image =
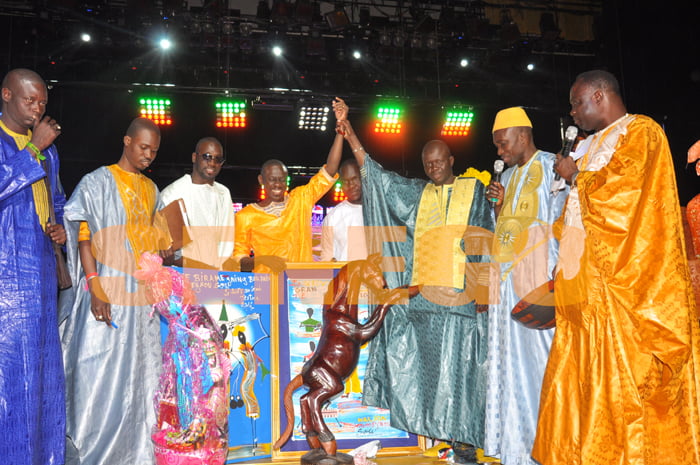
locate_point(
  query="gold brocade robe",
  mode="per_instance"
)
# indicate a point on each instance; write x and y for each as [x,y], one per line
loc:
[621,385]
[287,236]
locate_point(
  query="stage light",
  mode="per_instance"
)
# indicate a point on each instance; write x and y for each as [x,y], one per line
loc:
[85,37]
[338,194]
[165,43]
[156,109]
[388,120]
[458,121]
[432,42]
[357,54]
[313,117]
[231,114]
[464,63]
[277,50]
[530,66]
[262,195]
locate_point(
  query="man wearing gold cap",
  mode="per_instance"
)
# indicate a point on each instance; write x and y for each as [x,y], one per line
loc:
[428,363]
[526,254]
[623,377]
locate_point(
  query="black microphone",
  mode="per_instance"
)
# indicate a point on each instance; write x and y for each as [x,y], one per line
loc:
[498,166]
[569,138]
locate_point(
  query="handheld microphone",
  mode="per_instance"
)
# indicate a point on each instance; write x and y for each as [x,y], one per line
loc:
[498,166]
[569,138]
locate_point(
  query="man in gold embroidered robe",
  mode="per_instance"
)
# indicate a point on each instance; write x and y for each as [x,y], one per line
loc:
[621,385]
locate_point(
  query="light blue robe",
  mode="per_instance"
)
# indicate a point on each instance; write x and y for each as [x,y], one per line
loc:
[428,362]
[517,355]
[111,374]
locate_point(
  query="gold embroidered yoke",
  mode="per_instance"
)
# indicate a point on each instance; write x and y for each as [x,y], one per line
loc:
[441,221]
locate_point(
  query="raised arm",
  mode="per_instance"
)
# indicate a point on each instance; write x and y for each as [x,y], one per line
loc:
[334,155]
[344,127]
[355,145]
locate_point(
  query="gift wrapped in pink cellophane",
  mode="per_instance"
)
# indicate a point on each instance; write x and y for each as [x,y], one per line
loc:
[191,401]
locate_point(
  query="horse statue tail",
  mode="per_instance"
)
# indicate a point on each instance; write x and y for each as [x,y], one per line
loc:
[293,385]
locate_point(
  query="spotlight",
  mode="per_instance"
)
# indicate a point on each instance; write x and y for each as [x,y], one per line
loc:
[226,27]
[208,28]
[246,29]
[384,38]
[530,66]
[416,41]
[464,63]
[399,38]
[356,54]
[277,50]
[338,18]
[85,37]
[432,42]
[165,44]
[313,117]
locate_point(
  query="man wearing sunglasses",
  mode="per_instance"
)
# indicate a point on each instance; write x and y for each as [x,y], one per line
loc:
[208,213]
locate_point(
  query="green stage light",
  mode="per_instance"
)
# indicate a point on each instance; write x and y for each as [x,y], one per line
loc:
[231,114]
[458,121]
[156,109]
[388,120]
[338,194]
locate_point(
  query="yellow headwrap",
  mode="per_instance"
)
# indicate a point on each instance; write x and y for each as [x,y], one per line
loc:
[511,118]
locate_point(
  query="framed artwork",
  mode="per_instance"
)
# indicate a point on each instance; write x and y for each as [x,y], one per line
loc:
[241,304]
[297,328]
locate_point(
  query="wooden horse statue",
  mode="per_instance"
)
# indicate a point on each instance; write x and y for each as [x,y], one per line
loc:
[337,354]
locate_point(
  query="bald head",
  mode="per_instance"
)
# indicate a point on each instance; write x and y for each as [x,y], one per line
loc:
[437,162]
[199,148]
[270,163]
[273,178]
[600,79]
[139,124]
[19,75]
[24,100]
[436,145]
[595,100]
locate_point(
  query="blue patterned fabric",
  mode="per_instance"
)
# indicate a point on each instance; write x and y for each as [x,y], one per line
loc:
[32,407]
[428,363]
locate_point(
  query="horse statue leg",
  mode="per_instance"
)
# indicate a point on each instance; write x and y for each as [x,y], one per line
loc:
[315,399]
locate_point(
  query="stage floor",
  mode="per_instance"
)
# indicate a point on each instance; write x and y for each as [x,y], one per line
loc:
[402,460]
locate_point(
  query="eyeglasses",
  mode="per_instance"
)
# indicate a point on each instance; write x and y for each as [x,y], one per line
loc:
[209,157]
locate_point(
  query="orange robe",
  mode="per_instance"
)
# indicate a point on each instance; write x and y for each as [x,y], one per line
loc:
[621,385]
[288,235]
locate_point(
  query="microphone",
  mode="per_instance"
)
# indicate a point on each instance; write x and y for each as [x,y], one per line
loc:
[569,138]
[497,170]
